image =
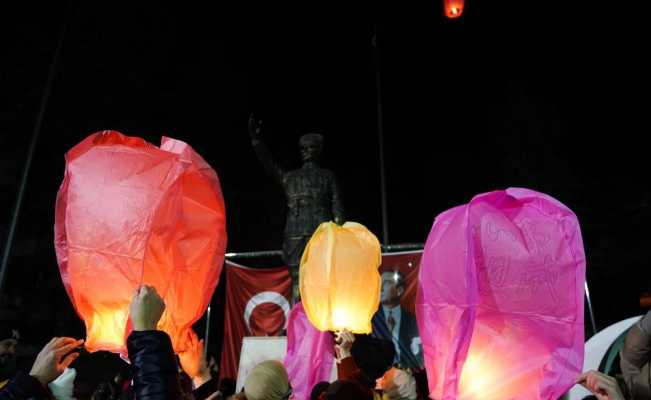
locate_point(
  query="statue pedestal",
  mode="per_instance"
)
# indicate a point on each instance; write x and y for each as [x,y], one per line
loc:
[256,349]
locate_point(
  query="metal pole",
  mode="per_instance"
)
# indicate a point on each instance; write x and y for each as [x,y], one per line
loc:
[207,334]
[402,247]
[254,254]
[273,253]
[30,152]
[380,131]
[587,297]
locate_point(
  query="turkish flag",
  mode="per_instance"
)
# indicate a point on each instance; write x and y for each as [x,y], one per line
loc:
[257,304]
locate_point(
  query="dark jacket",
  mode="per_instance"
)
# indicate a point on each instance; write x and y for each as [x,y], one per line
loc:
[24,386]
[206,390]
[155,371]
[635,359]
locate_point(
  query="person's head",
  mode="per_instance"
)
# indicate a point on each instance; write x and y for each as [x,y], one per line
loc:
[373,357]
[311,145]
[9,337]
[318,389]
[96,374]
[103,391]
[398,384]
[393,287]
[267,381]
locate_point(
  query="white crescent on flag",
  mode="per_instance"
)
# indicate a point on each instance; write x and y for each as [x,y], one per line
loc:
[265,297]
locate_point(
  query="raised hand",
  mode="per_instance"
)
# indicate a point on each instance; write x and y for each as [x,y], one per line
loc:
[255,128]
[604,387]
[54,358]
[146,308]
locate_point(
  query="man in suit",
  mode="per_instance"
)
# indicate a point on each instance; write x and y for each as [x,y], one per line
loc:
[395,323]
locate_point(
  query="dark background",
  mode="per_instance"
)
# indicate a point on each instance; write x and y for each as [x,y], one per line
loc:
[549,95]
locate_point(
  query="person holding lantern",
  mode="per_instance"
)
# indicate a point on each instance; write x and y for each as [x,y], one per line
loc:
[393,322]
[9,337]
[603,387]
[635,359]
[313,195]
[384,383]
[155,371]
[50,363]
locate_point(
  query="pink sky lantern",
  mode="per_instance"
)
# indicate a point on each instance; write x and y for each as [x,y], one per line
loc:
[310,354]
[500,299]
[130,213]
[453,8]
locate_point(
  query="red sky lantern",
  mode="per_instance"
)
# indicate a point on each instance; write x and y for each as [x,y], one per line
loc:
[129,213]
[453,8]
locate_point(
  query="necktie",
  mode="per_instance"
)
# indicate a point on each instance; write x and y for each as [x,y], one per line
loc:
[391,323]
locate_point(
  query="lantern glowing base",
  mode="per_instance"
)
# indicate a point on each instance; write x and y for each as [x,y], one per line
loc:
[483,377]
[105,330]
[502,363]
[344,319]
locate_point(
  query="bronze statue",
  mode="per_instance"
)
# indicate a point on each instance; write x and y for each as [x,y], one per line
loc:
[312,195]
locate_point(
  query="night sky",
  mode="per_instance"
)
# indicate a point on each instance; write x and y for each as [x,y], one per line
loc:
[547,95]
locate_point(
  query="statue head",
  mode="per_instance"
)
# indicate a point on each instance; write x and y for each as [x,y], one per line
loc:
[311,145]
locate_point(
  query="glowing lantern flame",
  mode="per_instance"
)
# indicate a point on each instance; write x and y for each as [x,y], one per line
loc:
[105,327]
[494,368]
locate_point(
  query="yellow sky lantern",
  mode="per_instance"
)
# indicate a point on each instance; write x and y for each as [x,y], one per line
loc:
[339,278]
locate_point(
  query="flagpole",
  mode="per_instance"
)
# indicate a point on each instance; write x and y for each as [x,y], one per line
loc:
[380,131]
[36,131]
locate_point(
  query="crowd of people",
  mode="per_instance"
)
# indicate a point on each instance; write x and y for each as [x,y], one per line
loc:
[366,367]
